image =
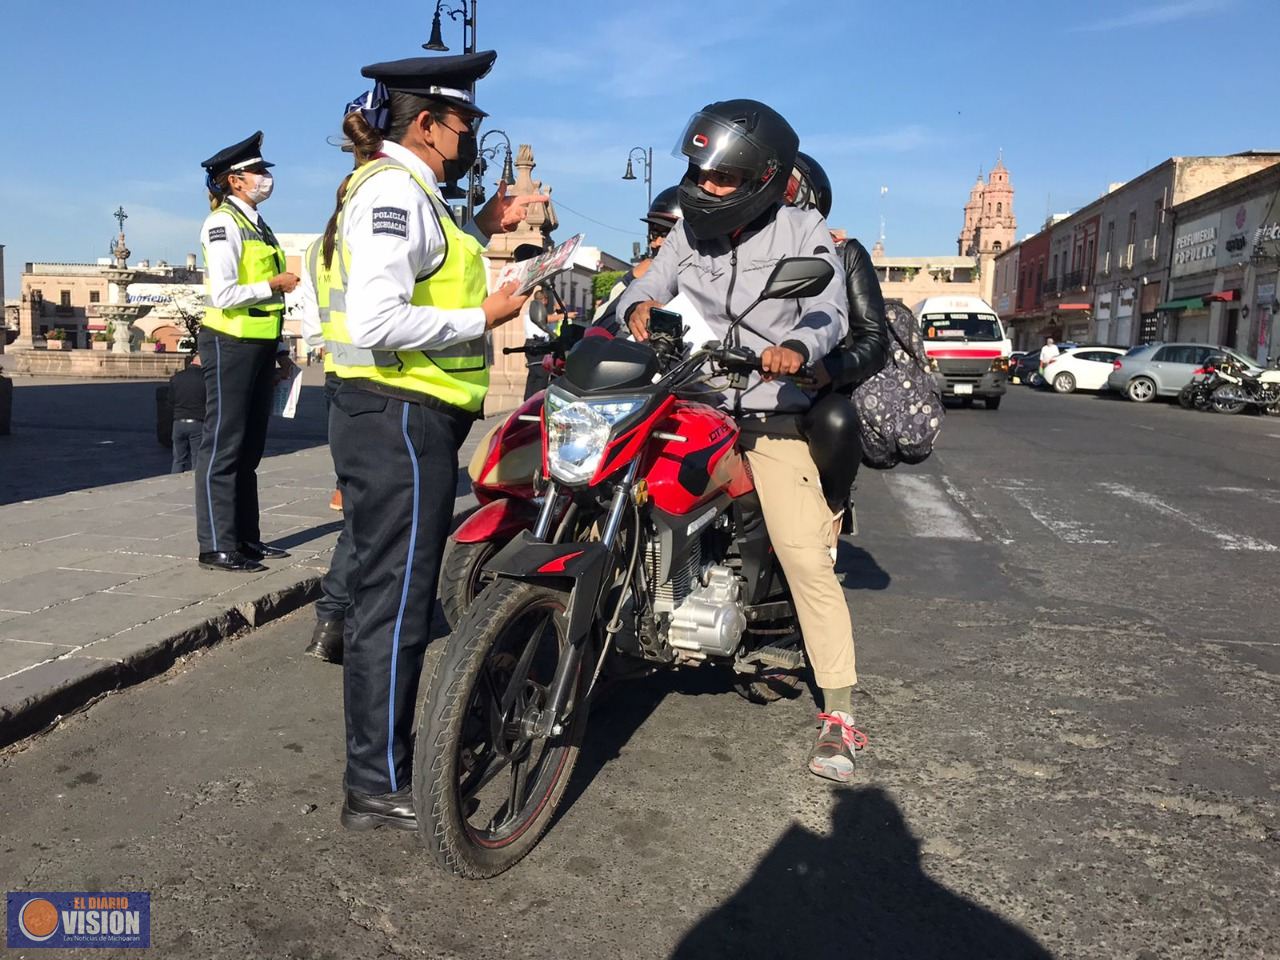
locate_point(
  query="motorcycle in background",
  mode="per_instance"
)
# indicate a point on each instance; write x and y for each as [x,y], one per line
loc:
[1240,389]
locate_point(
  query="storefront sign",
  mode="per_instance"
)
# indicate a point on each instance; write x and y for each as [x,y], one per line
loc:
[1195,245]
[1103,309]
[1266,293]
[1125,308]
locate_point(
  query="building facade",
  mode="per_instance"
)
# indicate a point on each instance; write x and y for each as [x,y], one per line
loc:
[989,223]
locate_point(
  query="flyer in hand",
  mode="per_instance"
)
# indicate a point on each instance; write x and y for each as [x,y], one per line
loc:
[529,273]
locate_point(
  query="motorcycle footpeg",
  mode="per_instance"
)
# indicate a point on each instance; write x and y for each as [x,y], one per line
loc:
[779,657]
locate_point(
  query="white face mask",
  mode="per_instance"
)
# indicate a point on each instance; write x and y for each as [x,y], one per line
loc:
[261,188]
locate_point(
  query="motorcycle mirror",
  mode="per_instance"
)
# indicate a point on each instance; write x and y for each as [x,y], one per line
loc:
[526,251]
[538,313]
[798,277]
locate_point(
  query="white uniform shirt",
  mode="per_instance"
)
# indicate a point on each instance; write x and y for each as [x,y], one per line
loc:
[222,245]
[305,300]
[1048,353]
[393,232]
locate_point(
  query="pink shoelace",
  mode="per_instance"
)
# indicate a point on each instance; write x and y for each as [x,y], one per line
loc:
[853,738]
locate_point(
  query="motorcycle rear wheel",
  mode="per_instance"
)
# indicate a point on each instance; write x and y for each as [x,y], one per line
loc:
[1187,397]
[1220,404]
[484,792]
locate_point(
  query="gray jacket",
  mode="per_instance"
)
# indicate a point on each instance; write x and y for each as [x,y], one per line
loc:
[722,278]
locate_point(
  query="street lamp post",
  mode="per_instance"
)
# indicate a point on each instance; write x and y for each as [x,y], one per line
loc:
[436,44]
[645,157]
[508,174]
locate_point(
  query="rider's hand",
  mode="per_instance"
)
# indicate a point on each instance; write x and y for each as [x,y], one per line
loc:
[780,362]
[638,320]
[283,282]
[502,305]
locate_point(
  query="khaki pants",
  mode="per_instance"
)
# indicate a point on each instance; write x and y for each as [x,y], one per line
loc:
[802,531]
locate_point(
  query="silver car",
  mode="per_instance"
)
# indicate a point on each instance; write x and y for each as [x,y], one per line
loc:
[1163,369]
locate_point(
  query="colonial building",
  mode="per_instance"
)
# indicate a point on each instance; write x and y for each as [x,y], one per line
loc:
[989,224]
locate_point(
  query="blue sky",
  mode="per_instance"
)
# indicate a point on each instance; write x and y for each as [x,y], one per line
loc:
[105,108]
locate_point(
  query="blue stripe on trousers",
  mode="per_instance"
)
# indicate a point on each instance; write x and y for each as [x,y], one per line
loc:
[208,473]
[404,598]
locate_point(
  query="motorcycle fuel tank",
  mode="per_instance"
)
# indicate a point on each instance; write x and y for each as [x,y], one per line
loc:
[686,475]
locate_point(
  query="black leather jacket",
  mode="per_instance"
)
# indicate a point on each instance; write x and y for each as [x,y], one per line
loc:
[866,347]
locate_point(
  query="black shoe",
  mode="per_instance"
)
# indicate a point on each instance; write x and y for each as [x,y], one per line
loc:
[232,561]
[326,641]
[364,811]
[258,550]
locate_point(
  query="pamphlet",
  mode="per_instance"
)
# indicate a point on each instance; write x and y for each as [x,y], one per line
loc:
[529,273]
[284,403]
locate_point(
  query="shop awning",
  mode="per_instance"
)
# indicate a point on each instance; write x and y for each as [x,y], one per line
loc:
[1186,303]
[1074,306]
[1222,296]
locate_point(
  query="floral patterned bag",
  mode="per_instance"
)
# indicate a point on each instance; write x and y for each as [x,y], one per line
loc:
[900,409]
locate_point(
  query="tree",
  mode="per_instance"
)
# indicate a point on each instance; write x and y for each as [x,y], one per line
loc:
[187,303]
[602,283]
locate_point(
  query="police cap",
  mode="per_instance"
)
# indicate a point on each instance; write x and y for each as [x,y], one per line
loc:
[239,156]
[447,79]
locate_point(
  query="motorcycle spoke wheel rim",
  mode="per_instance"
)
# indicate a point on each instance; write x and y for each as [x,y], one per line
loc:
[505,778]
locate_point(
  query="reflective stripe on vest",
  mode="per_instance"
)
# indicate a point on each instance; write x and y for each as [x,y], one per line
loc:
[328,299]
[260,259]
[458,375]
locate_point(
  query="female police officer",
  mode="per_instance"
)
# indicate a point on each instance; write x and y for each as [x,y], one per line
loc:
[408,305]
[240,349]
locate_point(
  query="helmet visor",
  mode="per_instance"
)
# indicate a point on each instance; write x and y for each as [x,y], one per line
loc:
[709,143]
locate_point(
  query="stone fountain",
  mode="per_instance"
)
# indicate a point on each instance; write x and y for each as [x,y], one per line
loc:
[119,311]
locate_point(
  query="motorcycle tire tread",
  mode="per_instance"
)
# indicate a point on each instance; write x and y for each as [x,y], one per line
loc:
[455,574]
[446,692]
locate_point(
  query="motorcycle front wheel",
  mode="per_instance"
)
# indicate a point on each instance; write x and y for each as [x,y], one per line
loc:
[484,790]
[462,576]
[1187,397]
[1225,403]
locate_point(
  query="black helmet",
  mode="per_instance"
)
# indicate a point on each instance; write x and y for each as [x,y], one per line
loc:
[743,137]
[665,210]
[809,187]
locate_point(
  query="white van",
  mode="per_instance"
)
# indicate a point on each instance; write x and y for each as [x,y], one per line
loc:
[965,339]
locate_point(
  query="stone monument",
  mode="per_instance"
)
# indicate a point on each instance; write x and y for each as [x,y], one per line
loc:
[119,311]
[507,373]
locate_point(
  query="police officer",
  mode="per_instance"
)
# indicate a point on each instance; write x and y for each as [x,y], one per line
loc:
[242,355]
[408,299]
[317,330]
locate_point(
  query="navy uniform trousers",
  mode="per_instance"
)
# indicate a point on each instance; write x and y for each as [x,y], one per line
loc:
[397,464]
[239,381]
[335,593]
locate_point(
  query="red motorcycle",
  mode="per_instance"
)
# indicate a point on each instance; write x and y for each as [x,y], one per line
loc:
[648,549]
[504,471]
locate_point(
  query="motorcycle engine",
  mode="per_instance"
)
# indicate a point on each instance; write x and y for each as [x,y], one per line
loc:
[710,620]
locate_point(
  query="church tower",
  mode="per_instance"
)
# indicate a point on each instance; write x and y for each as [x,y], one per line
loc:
[997,226]
[966,244]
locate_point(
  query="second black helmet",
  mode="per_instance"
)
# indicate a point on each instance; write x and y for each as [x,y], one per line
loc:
[809,187]
[742,138]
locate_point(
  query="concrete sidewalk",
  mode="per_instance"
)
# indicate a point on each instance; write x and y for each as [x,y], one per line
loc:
[99,588]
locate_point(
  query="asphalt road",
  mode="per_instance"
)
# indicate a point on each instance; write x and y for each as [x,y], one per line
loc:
[1070,678]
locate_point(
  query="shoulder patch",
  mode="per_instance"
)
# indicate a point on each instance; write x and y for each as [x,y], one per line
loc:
[217,233]
[391,222]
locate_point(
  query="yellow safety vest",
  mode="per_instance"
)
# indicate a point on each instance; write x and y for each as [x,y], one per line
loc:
[457,375]
[260,259]
[323,286]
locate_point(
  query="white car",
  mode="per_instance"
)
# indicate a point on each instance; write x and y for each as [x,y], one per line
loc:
[1082,368]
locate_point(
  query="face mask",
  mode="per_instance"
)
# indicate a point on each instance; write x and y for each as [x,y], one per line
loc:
[261,188]
[456,168]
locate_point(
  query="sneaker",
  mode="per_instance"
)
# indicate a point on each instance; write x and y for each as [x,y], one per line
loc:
[335,502]
[832,755]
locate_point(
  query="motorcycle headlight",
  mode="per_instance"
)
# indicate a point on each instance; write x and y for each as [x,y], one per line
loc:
[578,432]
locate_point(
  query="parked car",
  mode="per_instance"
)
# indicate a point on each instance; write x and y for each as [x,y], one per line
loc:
[1020,371]
[1081,368]
[1163,369]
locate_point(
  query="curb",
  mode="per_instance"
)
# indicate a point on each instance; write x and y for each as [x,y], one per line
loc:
[63,687]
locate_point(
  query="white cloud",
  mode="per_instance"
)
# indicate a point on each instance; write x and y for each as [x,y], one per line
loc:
[1151,16]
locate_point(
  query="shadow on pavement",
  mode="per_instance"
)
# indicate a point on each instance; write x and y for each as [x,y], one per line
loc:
[860,892]
[859,569]
[73,435]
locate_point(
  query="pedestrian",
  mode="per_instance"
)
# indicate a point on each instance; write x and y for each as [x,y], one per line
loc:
[741,154]
[1048,353]
[664,213]
[538,330]
[408,292]
[317,330]
[187,397]
[242,353]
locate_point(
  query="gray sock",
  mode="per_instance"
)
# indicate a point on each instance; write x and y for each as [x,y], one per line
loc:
[838,699]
